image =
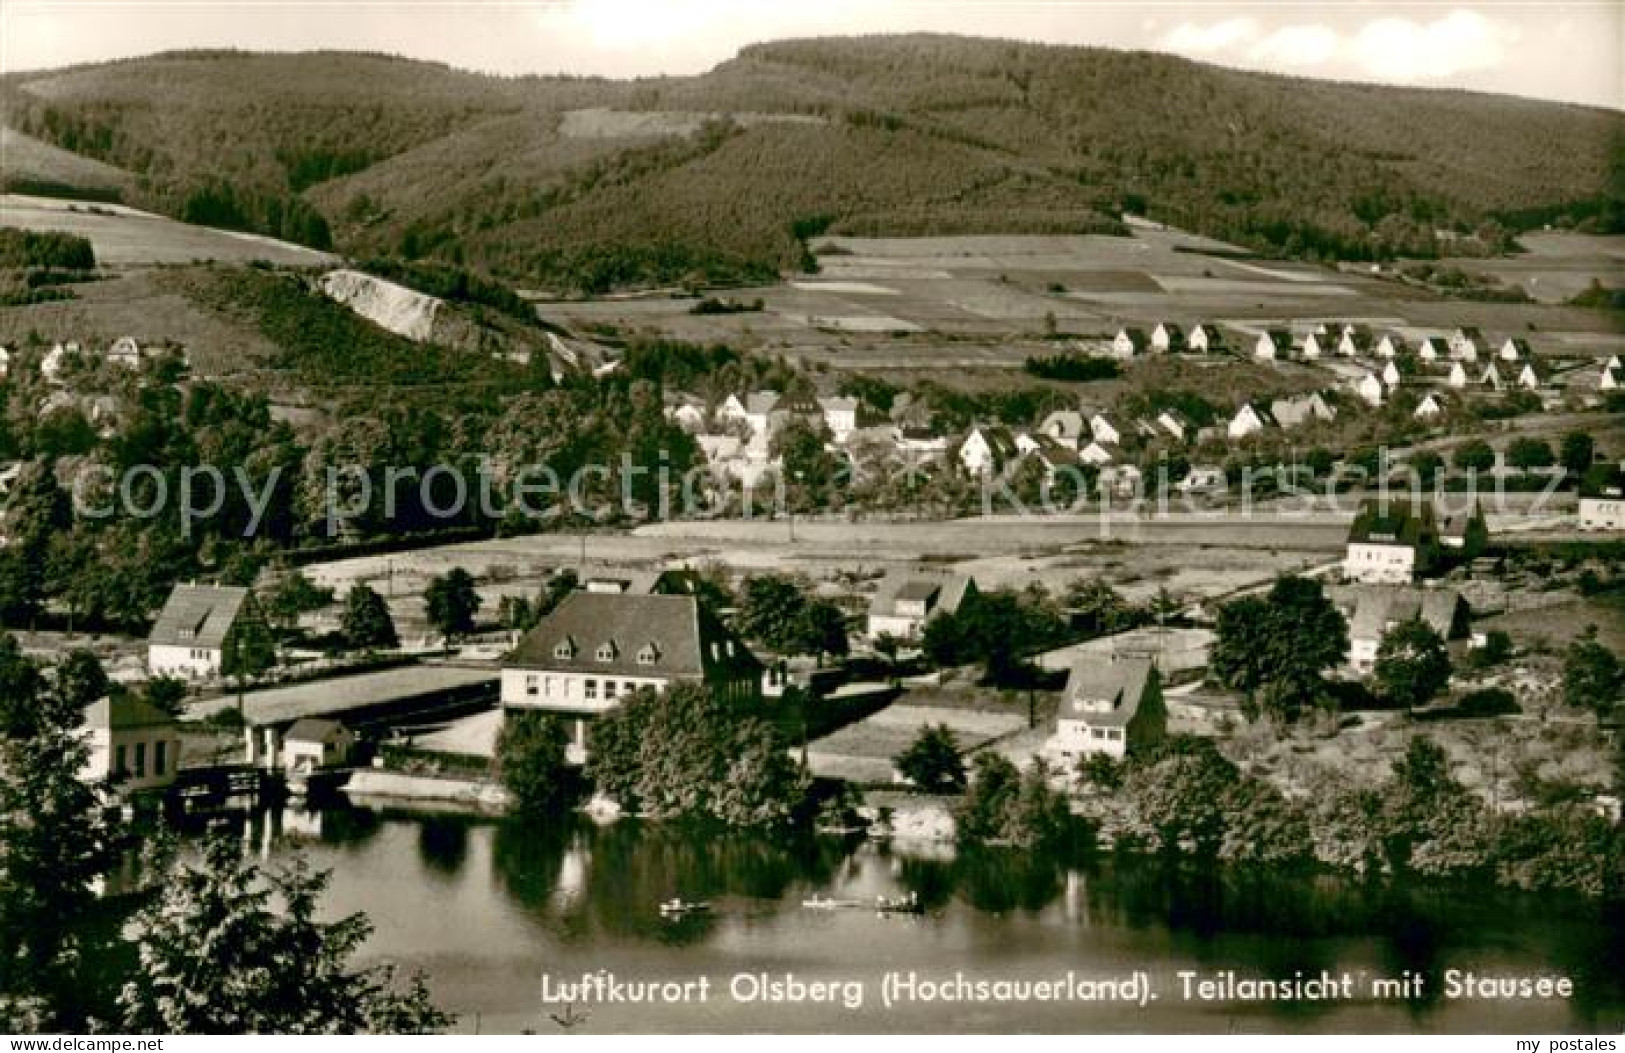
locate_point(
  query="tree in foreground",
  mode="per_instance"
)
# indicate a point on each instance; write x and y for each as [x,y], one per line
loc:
[452,601]
[366,623]
[1592,675]
[230,948]
[54,843]
[932,761]
[1275,648]
[530,758]
[1412,663]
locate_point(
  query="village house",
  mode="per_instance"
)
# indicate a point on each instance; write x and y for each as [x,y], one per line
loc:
[1204,339]
[1167,337]
[132,743]
[1370,389]
[1129,342]
[1203,480]
[1391,375]
[1465,343]
[906,601]
[1391,545]
[1273,344]
[1096,455]
[1066,427]
[188,637]
[987,450]
[1319,345]
[312,744]
[921,443]
[1297,410]
[1516,349]
[1122,480]
[1430,406]
[1609,380]
[125,352]
[753,410]
[1392,345]
[56,360]
[1247,421]
[1356,340]
[1527,378]
[1491,378]
[1433,349]
[1602,498]
[1104,431]
[596,649]
[1373,610]
[1111,706]
[1176,424]
[840,415]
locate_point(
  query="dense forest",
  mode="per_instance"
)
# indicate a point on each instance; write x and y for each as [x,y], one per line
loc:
[586,185]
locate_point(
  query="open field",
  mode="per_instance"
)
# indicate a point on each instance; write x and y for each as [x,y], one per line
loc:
[863,751]
[983,303]
[125,236]
[26,159]
[1557,266]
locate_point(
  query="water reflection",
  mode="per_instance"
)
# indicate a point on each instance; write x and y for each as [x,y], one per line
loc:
[516,898]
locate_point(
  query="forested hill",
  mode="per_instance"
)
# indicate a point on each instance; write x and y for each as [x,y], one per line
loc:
[591,184]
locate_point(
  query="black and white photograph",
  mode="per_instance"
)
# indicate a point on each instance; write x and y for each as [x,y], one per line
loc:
[621,517]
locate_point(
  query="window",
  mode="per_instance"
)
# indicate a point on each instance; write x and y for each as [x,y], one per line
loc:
[592,689]
[140,760]
[609,688]
[159,757]
[648,654]
[530,684]
[565,649]
[118,761]
[607,651]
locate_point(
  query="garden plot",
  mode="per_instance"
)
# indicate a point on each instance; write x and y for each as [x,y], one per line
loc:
[863,751]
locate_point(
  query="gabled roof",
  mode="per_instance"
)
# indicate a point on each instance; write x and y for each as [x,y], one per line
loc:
[1402,523]
[1119,680]
[999,439]
[688,640]
[1373,608]
[125,711]
[950,591]
[1297,409]
[197,616]
[1134,333]
[838,404]
[761,402]
[315,729]
[1070,423]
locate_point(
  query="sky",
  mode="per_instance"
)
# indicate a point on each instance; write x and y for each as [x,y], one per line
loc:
[1557,50]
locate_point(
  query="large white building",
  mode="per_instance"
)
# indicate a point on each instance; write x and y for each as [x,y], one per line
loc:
[596,649]
[1602,498]
[1391,545]
[188,637]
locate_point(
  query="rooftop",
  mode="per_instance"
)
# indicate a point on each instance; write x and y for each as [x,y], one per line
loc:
[197,616]
[633,635]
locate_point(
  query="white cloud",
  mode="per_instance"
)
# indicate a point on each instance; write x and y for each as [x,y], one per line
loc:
[1459,42]
[1297,46]
[1188,38]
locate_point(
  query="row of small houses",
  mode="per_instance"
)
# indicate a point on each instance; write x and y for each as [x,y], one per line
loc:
[1322,340]
[125,352]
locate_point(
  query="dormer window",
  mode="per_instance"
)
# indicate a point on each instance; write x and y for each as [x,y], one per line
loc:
[648,654]
[565,649]
[607,651]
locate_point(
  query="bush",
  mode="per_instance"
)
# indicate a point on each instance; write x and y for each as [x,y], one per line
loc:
[530,761]
[932,761]
[1487,702]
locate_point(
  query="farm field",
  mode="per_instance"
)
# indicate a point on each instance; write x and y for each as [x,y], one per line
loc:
[128,237]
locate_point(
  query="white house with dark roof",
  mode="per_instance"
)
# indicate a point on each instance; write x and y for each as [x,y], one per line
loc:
[1433,348]
[1204,338]
[1491,378]
[1458,376]
[1371,389]
[840,414]
[1320,345]
[1466,342]
[1391,376]
[1273,344]
[125,352]
[1104,431]
[1392,345]
[1528,378]
[987,450]
[187,638]
[754,410]
[1516,349]
[1167,337]
[1129,342]
[906,601]
[1355,340]
[1429,406]
[1391,542]
[595,649]
[131,742]
[1112,706]
[1610,379]
[1176,424]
